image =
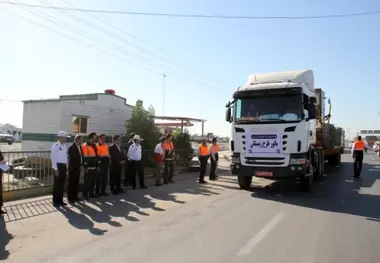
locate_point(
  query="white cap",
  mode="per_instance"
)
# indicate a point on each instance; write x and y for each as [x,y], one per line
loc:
[62,134]
[137,137]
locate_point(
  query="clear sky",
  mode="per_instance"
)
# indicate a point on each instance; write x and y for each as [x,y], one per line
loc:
[209,58]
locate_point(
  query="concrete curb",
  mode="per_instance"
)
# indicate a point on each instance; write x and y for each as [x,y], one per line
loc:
[47,190]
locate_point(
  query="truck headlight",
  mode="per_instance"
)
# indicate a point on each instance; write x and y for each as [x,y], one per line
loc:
[235,158]
[298,161]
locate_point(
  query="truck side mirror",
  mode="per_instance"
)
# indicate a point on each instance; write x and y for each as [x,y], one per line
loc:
[306,114]
[228,114]
[312,111]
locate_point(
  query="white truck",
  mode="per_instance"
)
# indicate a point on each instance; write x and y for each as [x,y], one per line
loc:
[274,119]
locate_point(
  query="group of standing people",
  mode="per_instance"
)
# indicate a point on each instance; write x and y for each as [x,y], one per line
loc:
[206,152]
[102,163]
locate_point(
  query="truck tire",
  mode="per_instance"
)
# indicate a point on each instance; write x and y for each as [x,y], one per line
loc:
[320,166]
[10,143]
[245,182]
[307,181]
[338,159]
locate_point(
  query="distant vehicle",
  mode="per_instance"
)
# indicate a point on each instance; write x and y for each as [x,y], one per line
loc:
[5,137]
[371,136]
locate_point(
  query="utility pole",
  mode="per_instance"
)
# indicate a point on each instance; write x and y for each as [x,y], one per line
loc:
[163,93]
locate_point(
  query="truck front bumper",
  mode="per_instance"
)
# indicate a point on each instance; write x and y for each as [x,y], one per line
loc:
[276,173]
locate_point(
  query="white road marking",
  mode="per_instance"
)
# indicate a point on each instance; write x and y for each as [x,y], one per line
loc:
[252,243]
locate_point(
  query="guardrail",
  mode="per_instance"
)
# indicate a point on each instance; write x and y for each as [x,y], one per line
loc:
[32,169]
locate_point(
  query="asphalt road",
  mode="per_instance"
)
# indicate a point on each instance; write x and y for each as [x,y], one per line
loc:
[217,223]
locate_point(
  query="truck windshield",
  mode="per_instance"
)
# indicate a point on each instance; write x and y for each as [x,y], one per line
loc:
[264,109]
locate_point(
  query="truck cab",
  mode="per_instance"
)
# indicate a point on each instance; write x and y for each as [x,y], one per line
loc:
[273,127]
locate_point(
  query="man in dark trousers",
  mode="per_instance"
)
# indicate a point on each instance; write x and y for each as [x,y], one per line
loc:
[135,157]
[104,161]
[203,156]
[127,167]
[118,160]
[2,161]
[214,157]
[357,152]
[75,164]
[91,166]
[59,164]
[169,160]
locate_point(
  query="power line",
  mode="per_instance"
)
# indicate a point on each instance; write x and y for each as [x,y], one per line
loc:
[78,41]
[117,37]
[110,46]
[169,56]
[376,12]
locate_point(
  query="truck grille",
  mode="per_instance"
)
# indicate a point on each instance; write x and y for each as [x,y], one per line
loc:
[270,161]
[265,160]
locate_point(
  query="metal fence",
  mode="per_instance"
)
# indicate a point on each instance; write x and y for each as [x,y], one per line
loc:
[32,169]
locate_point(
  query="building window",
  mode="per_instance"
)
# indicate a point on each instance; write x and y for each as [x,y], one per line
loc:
[80,124]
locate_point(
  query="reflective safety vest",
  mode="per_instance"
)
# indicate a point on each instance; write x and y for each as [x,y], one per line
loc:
[214,148]
[88,151]
[359,146]
[89,156]
[203,150]
[168,146]
[102,150]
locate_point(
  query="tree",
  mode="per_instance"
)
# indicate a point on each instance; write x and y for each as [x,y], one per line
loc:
[142,123]
[182,144]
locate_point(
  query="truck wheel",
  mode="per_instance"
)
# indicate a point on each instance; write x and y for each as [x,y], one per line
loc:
[338,159]
[10,143]
[306,181]
[319,171]
[244,182]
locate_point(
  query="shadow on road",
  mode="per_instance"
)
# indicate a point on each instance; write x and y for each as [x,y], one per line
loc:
[80,221]
[5,237]
[129,206]
[339,193]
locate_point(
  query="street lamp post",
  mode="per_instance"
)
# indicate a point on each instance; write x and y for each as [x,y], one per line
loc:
[163,93]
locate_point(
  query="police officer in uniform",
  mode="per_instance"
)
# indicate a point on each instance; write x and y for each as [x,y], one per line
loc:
[135,156]
[357,152]
[128,166]
[59,165]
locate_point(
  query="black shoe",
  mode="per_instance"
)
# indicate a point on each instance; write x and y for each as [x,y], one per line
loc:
[56,204]
[2,212]
[92,196]
[171,181]
[86,198]
[159,184]
[63,204]
[203,182]
[105,194]
[71,202]
[212,178]
[143,187]
[166,183]
[78,199]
